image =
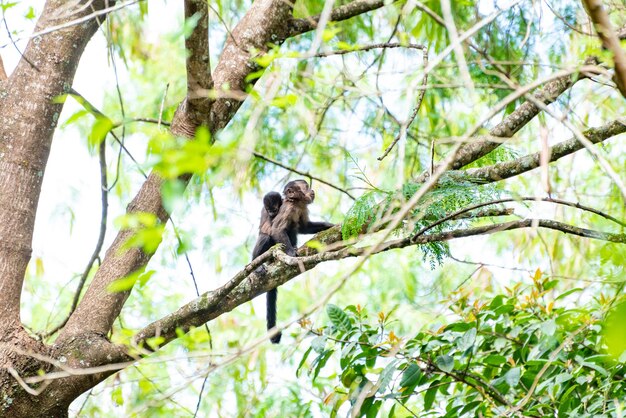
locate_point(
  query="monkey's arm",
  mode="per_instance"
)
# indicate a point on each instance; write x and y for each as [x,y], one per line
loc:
[315,227]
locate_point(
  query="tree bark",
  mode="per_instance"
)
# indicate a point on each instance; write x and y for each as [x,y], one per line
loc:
[28,118]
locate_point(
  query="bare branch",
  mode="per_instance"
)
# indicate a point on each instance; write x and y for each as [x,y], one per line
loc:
[610,40]
[384,45]
[521,165]
[302,173]
[347,11]
[468,211]
[75,22]
[482,146]
[104,199]
[415,109]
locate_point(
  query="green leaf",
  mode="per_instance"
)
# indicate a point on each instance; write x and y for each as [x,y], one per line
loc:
[303,360]
[614,330]
[466,340]
[410,376]
[494,359]
[76,116]
[30,15]
[512,377]
[549,327]
[445,363]
[339,318]
[386,375]
[7,6]
[319,344]
[430,395]
[101,127]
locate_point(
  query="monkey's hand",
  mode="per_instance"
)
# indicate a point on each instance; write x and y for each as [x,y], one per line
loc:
[261,271]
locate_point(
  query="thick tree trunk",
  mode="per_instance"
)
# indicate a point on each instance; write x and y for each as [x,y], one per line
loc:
[28,118]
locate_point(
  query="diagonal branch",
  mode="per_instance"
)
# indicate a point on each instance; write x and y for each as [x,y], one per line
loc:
[211,305]
[507,169]
[482,146]
[610,40]
[3,74]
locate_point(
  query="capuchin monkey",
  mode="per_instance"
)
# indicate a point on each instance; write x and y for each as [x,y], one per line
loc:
[271,204]
[292,219]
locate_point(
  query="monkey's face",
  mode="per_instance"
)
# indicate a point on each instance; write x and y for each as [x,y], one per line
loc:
[299,190]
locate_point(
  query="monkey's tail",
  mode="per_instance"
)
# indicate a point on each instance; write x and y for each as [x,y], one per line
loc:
[272,295]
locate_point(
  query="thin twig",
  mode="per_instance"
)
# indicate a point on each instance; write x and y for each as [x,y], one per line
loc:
[415,109]
[457,214]
[302,173]
[75,21]
[104,198]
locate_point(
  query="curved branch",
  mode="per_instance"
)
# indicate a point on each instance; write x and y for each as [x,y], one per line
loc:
[463,213]
[195,109]
[482,146]
[104,198]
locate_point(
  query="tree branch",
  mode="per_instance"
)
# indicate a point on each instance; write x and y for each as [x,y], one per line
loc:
[507,169]
[99,307]
[482,146]
[347,11]
[610,40]
[36,80]
[194,110]
[3,74]
[245,286]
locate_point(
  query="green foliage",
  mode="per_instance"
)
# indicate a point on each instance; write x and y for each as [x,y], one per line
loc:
[526,350]
[455,190]
[615,330]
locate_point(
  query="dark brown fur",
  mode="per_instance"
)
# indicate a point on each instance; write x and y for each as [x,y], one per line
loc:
[292,219]
[272,202]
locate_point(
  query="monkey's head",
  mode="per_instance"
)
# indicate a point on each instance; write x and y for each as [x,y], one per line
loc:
[299,191]
[272,202]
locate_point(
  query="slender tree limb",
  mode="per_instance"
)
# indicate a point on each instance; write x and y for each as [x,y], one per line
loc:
[610,40]
[482,146]
[385,45]
[507,169]
[344,12]
[467,211]
[302,173]
[75,22]
[264,23]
